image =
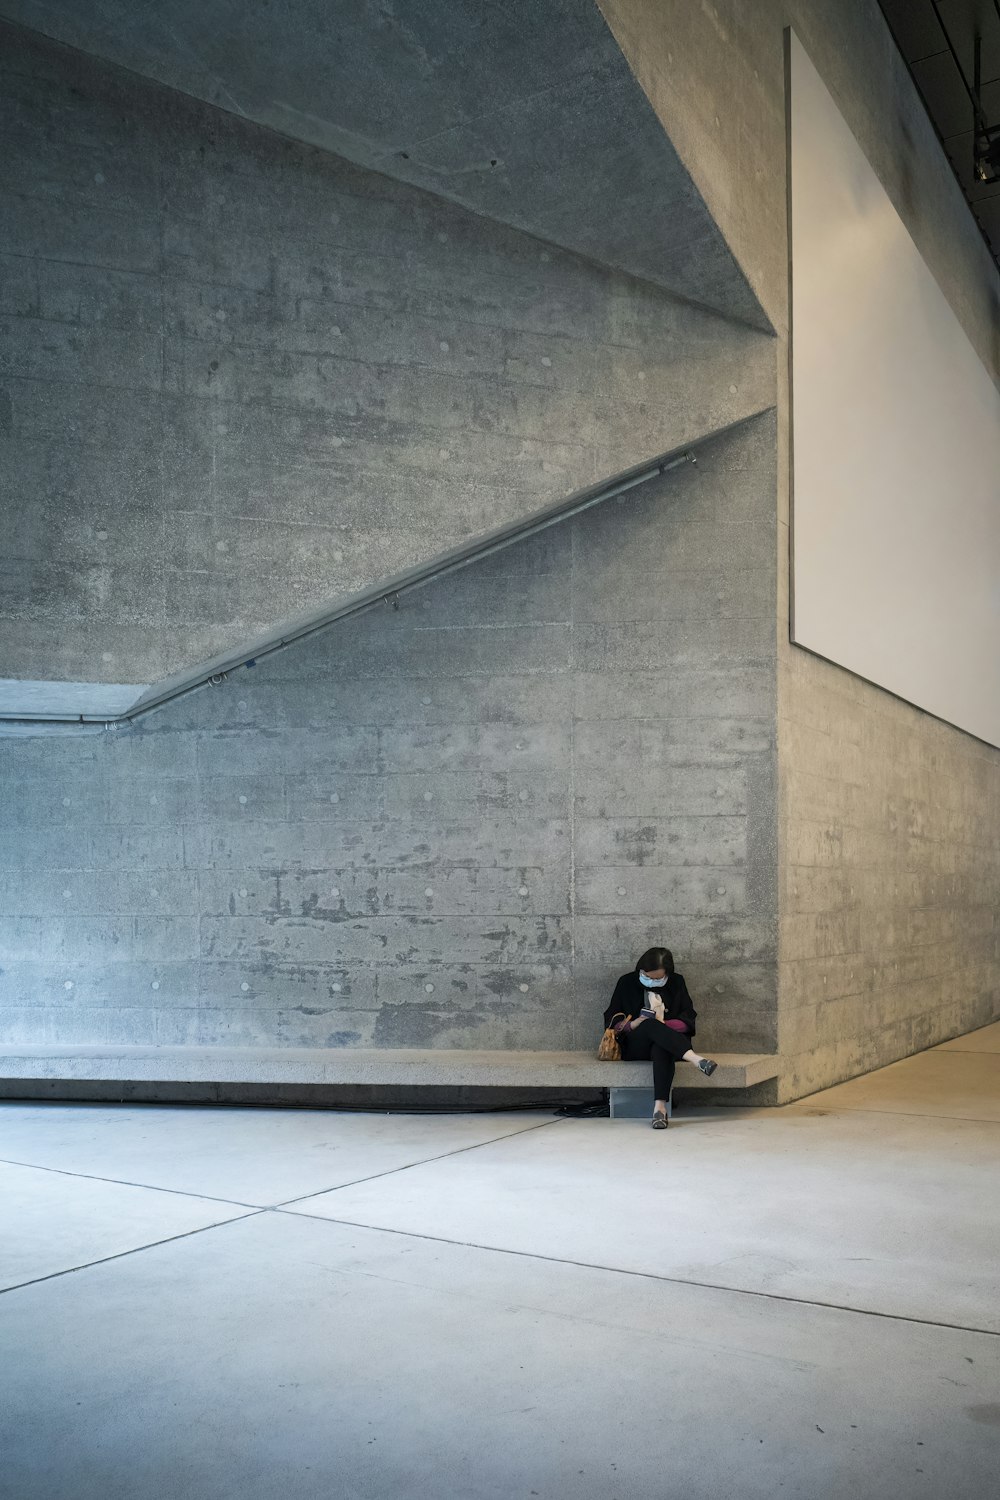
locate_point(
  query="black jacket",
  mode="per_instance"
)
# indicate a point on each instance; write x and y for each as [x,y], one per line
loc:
[630,996]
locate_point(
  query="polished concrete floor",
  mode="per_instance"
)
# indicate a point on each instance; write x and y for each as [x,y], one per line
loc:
[202,1303]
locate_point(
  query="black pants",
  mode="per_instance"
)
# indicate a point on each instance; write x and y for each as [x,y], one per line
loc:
[651,1041]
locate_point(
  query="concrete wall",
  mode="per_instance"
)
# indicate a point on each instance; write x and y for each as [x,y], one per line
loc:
[888,819]
[448,825]
[240,378]
[525,112]
[890,867]
[715,76]
[890,919]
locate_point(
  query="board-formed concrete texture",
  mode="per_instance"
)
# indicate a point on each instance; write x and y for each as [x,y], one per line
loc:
[526,113]
[244,379]
[890,880]
[889,937]
[715,75]
[881,934]
[451,824]
[448,1310]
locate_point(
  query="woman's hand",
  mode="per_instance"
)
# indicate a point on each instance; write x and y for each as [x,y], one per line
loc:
[621,1026]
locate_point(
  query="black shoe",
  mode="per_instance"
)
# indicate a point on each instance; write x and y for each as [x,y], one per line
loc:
[659,1120]
[707,1066]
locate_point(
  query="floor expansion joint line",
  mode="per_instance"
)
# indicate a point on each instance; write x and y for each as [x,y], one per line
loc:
[410,1165]
[590,1265]
[150,1187]
[965,1051]
[103,1260]
[902,1114]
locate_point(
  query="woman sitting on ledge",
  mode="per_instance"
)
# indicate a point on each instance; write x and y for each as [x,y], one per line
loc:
[658,1023]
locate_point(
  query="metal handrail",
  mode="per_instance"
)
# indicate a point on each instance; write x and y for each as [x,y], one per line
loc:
[389,592]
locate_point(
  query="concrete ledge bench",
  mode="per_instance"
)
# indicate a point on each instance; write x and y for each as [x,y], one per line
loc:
[630,1084]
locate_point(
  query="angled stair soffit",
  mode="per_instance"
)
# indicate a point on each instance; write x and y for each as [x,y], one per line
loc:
[587,167]
[525,112]
[142,699]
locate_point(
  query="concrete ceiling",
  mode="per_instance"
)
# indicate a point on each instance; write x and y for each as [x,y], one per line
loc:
[938,42]
[526,112]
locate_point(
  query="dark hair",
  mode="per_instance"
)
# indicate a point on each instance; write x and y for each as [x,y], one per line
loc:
[656,958]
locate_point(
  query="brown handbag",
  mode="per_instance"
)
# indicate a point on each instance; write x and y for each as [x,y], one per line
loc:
[610,1048]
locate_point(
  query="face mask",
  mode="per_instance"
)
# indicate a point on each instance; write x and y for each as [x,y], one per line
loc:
[652,984]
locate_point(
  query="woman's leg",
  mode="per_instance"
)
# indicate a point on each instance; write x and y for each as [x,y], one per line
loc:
[637,1045]
[676,1043]
[663,1077]
[641,1045]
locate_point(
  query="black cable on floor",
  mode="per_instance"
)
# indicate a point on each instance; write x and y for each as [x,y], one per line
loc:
[594,1109]
[582,1109]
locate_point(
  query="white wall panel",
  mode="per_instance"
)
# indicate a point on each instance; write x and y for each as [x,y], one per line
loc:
[896,441]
